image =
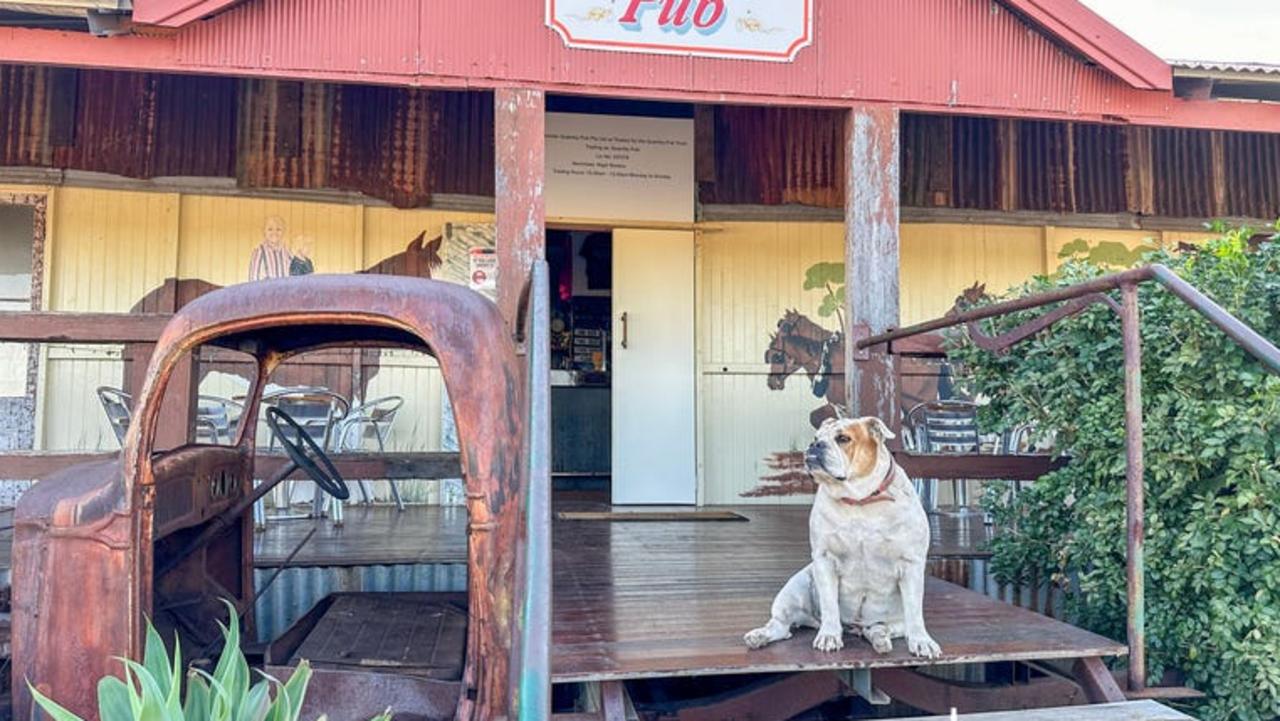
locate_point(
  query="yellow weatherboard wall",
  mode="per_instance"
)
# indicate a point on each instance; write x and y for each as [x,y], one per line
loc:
[107,248]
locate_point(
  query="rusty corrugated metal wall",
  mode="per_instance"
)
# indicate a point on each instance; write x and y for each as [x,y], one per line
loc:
[775,156]
[770,156]
[397,144]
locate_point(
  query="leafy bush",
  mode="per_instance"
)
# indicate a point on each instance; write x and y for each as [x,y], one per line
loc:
[1212,418]
[152,690]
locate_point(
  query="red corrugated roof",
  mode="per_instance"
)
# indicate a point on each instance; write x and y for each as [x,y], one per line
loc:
[1089,34]
[176,13]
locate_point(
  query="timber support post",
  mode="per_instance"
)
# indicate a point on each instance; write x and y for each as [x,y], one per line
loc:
[872,160]
[520,206]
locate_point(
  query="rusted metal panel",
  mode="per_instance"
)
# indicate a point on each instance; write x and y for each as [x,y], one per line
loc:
[380,143]
[871,257]
[1099,165]
[1252,164]
[1183,170]
[23,115]
[776,156]
[976,159]
[462,143]
[1044,155]
[266,162]
[115,119]
[195,129]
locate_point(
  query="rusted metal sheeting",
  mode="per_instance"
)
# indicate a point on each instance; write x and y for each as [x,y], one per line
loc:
[976,157]
[1252,164]
[1099,168]
[133,124]
[380,143]
[1183,172]
[462,143]
[114,120]
[928,174]
[284,134]
[1044,164]
[23,117]
[777,156]
[195,129]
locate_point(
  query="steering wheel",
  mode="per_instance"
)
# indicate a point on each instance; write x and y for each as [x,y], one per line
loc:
[307,454]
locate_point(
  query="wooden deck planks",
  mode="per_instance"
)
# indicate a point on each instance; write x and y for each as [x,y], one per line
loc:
[1128,711]
[652,600]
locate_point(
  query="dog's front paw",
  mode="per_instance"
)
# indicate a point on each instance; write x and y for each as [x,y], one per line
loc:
[759,638]
[829,641]
[923,645]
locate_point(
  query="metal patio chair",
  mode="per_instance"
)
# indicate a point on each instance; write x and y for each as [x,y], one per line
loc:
[217,420]
[942,427]
[369,421]
[318,411]
[116,404]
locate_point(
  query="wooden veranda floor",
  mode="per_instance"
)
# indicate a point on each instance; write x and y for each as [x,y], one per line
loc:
[646,600]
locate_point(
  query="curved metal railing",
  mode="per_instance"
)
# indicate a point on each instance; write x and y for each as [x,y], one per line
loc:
[1076,298]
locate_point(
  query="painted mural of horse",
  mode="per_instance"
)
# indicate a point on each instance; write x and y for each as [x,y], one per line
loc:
[420,259]
[801,344]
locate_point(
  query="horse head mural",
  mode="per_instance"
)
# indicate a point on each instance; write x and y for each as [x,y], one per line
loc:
[801,344]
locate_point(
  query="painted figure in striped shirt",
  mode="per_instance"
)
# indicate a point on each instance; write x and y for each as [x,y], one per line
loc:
[273,259]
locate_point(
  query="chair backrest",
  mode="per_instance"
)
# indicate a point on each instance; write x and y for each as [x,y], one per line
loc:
[945,427]
[216,419]
[376,415]
[116,404]
[315,409]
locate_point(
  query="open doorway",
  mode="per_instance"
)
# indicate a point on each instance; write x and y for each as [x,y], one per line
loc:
[18,361]
[581,265]
[623,366]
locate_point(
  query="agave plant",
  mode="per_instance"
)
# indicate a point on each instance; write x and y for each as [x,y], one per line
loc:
[152,690]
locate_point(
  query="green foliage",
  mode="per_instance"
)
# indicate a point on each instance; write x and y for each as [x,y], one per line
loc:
[152,690]
[827,277]
[1212,427]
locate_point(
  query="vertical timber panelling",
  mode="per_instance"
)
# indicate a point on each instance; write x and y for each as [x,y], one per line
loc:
[750,275]
[871,255]
[940,260]
[108,249]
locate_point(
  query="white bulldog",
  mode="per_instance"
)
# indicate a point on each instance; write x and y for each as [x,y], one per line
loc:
[869,539]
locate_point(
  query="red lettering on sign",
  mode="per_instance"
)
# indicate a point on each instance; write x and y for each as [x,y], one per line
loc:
[629,18]
[710,12]
[675,13]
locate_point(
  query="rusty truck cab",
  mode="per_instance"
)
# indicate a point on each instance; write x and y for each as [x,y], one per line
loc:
[168,534]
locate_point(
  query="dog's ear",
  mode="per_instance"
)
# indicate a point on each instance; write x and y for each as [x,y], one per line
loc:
[880,430]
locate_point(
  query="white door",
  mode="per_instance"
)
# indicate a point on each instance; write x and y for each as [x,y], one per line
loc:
[653,368]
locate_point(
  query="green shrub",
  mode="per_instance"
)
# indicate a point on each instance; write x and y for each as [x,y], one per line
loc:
[152,690]
[1212,426]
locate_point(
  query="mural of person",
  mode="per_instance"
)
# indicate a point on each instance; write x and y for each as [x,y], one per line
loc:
[301,263]
[272,258]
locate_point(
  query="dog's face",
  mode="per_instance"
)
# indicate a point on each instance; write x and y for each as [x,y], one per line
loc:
[845,448]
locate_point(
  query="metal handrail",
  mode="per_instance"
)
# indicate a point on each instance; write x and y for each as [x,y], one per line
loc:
[1127,283]
[532,682]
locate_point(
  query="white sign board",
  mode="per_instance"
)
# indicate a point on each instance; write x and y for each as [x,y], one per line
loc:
[484,269]
[739,29]
[614,167]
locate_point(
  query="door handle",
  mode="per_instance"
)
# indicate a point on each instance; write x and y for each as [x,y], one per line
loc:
[624,330]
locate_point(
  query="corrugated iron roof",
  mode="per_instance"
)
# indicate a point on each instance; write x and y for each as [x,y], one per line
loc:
[1226,67]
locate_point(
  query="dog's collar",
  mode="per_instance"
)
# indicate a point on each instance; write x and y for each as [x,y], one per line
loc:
[879,495]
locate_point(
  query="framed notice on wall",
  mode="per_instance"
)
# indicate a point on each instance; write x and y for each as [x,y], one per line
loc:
[612,167]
